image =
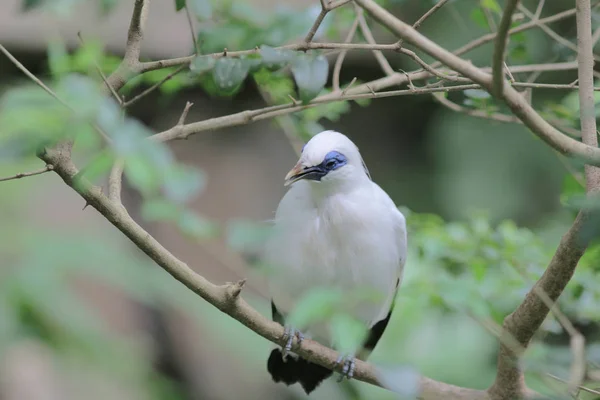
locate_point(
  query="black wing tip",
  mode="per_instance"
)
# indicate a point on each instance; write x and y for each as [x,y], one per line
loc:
[296,370]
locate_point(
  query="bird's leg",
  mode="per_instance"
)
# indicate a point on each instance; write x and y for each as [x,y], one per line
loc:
[348,368]
[288,338]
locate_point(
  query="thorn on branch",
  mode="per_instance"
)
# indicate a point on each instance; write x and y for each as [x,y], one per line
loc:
[410,84]
[234,289]
[510,75]
[296,102]
[185,112]
[370,88]
[349,86]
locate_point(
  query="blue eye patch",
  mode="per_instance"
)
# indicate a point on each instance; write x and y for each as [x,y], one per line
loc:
[333,160]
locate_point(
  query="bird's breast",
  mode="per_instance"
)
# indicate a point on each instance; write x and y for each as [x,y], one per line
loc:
[337,245]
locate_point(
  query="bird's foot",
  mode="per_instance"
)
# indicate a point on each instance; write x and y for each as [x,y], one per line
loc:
[348,366]
[288,338]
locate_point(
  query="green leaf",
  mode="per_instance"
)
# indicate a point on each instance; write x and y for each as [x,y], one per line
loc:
[403,381]
[142,174]
[27,5]
[58,58]
[179,5]
[310,74]
[99,167]
[196,226]
[202,9]
[477,94]
[347,333]
[246,235]
[182,183]
[82,94]
[160,210]
[201,64]
[316,305]
[478,17]
[491,5]
[253,62]
[229,73]
[107,5]
[276,58]
[277,85]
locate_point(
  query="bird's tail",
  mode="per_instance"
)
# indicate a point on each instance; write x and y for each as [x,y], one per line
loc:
[295,369]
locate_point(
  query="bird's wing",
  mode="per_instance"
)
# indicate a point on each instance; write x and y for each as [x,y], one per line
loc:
[380,323]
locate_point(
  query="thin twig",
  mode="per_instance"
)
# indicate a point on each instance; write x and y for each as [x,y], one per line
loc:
[510,75]
[433,71]
[337,68]
[586,83]
[585,389]
[349,86]
[550,86]
[511,97]
[500,47]
[31,76]
[41,84]
[248,116]
[428,14]
[547,30]
[153,87]
[577,340]
[490,19]
[20,175]
[538,10]
[153,65]
[364,27]
[104,79]
[475,113]
[192,30]
[521,28]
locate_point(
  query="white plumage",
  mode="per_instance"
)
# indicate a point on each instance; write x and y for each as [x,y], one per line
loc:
[335,228]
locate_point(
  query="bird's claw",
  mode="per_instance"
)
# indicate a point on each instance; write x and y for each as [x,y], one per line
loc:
[288,339]
[348,366]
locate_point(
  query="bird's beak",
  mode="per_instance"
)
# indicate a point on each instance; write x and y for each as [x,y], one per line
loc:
[302,172]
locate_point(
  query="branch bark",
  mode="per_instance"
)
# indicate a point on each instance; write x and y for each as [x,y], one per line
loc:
[585,70]
[500,48]
[20,175]
[519,105]
[227,297]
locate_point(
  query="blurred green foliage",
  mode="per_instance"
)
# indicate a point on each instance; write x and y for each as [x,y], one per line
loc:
[460,274]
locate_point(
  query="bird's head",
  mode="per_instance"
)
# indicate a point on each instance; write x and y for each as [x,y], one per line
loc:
[329,158]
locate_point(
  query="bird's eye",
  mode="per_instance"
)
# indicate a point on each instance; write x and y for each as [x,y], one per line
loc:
[331,164]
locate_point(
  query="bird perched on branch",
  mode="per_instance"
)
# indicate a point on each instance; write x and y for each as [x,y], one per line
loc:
[335,229]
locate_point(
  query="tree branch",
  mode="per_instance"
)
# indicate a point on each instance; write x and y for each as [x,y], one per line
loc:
[227,297]
[587,112]
[20,175]
[248,116]
[428,14]
[528,317]
[131,66]
[519,106]
[364,27]
[500,48]
[135,35]
[152,88]
[337,68]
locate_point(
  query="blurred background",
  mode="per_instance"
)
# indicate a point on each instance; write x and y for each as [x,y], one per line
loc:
[83,314]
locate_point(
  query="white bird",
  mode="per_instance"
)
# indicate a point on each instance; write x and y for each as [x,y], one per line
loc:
[336,229]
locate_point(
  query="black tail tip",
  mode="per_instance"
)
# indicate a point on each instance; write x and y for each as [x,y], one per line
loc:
[296,370]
